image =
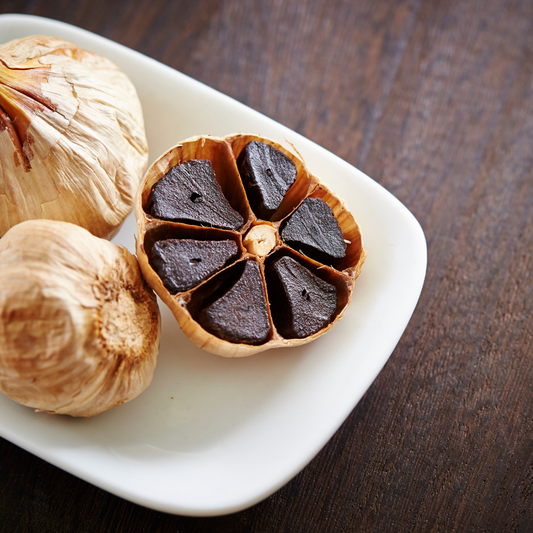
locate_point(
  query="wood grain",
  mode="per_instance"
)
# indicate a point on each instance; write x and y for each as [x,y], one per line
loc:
[434,100]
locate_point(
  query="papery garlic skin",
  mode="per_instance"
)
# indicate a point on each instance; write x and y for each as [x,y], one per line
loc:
[79,327]
[72,136]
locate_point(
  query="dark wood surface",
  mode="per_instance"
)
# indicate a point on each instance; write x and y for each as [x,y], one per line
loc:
[434,100]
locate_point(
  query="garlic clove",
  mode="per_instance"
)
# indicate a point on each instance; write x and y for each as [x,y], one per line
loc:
[190,193]
[184,263]
[239,313]
[301,303]
[79,327]
[267,174]
[314,230]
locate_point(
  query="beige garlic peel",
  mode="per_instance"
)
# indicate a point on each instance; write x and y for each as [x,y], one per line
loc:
[79,327]
[72,136]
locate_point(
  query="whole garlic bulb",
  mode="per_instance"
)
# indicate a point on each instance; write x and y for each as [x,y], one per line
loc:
[72,136]
[79,327]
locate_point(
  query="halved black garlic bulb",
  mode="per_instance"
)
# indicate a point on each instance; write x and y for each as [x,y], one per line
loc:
[247,248]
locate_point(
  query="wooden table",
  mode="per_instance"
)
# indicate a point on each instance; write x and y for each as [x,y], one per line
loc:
[434,100]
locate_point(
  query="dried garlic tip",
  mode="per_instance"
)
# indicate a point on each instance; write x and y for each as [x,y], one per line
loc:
[295,256]
[79,327]
[71,136]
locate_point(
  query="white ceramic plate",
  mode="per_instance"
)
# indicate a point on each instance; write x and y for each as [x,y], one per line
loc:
[213,435]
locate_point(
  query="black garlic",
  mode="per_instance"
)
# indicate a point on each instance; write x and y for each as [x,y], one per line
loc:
[301,303]
[184,263]
[190,193]
[267,174]
[314,231]
[240,313]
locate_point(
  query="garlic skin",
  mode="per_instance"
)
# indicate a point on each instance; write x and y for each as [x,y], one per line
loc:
[72,136]
[79,327]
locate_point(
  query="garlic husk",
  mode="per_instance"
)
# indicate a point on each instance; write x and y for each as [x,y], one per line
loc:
[71,136]
[79,327]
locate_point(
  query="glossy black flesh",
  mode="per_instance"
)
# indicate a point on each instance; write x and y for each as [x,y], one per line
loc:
[240,314]
[267,174]
[313,230]
[190,193]
[184,263]
[301,303]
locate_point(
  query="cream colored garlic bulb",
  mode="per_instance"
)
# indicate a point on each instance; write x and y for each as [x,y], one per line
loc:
[72,136]
[79,327]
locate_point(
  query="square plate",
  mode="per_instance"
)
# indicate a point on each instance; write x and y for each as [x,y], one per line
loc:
[213,435]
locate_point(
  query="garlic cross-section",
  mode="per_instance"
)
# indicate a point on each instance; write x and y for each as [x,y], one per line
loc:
[298,248]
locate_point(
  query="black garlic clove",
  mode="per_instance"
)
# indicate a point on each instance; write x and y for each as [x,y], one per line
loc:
[240,314]
[267,174]
[184,263]
[190,193]
[314,231]
[301,303]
